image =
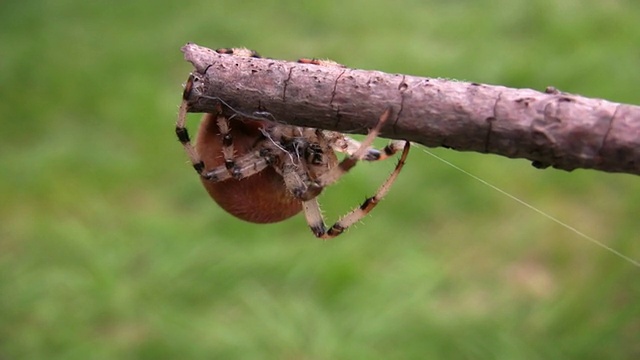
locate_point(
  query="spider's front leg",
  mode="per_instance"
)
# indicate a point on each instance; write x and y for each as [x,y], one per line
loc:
[345,144]
[336,172]
[310,204]
[316,221]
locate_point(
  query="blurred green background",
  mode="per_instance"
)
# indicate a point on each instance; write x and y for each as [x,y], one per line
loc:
[111,249]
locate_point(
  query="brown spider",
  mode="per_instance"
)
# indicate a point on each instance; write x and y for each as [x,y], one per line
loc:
[262,171]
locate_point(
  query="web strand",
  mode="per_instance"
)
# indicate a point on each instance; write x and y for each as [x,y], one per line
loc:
[531,207]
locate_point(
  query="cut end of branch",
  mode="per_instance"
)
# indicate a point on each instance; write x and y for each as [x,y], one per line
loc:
[198,56]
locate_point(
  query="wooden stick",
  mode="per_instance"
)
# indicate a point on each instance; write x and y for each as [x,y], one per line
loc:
[550,128]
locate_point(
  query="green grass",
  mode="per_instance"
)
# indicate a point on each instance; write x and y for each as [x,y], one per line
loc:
[110,248]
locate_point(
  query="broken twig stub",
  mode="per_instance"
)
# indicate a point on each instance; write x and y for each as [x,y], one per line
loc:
[550,128]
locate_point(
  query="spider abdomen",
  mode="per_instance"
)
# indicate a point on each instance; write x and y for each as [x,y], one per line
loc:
[259,198]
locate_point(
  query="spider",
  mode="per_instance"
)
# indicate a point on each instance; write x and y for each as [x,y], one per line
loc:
[263,171]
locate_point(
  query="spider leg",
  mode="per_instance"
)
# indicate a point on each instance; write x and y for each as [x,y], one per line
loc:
[245,166]
[228,152]
[320,62]
[316,222]
[181,129]
[350,161]
[295,177]
[345,144]
[230,164]
[388,151]
[314,218]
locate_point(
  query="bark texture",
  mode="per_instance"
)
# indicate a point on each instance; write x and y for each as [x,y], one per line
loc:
[550,128]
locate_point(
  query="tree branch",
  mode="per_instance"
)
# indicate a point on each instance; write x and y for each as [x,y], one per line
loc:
[553,128]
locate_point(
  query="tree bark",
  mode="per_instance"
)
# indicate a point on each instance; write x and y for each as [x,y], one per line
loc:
[550,128]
